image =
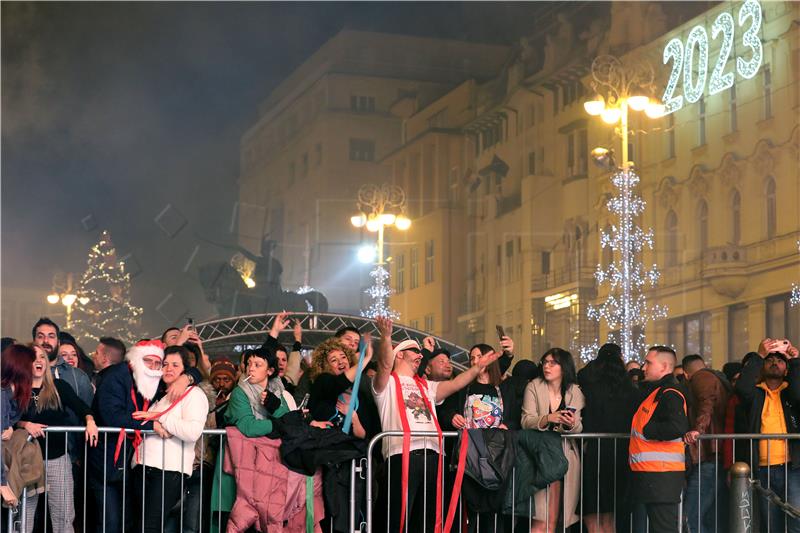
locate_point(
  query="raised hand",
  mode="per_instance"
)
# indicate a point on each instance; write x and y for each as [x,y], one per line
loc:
[507,344]
[428,343]
[280,323]
[297,330]
[384,326]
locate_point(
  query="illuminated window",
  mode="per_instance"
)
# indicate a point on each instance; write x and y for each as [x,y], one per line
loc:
[400,274]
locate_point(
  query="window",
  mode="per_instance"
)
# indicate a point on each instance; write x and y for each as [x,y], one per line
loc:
[498,267]
[577,148]
[767,93]
[738,340]
[691,334]
[304,166]
[772,209]
[783,320]
[701,122]
[583,153]
[736,216]
[362,104]
[362,150]
[532,163]
[318,154]
[671,137]
[429,323]
[414,268]
[734,119]
[541,160]
[702,219]
[531,115]
[545,262]
[555,102]
[414,324]
[429,261]
[292,172]
[672,239]
[509,275]
[400,274]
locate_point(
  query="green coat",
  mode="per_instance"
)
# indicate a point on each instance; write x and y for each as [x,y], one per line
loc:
[239,414]
[540,461]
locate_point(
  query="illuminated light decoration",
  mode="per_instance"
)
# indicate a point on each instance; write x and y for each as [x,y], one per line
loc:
[358,220]
[655,110]
[719,81]
[638,103]
[626,307]
[366,254]
[53,298]
[673,51]
[611,115]
[560,300]
[751,9]
[304,289]
[373,224]
[68,299]
[380,292]
[595,106]
[682,57]
[402,222]
[692,90]
[245,267]
[102,301]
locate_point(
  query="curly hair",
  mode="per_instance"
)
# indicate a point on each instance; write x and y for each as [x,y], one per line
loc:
[319,359]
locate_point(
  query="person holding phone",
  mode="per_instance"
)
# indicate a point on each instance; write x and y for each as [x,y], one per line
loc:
[553,402]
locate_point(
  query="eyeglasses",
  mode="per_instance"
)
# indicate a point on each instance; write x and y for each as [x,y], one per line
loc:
[412,350]
[550,362]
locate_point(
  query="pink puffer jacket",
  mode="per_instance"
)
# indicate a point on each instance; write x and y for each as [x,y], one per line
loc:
[268,495]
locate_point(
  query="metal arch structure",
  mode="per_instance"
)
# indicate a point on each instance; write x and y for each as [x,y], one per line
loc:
[228,336]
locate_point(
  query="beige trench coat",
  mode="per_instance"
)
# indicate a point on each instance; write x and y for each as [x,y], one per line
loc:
[535,408]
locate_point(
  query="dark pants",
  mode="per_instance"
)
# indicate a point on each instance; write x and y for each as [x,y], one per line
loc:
[421,502]
[108,504]
[663,517]
[152,504]
[785,481]
[196,502]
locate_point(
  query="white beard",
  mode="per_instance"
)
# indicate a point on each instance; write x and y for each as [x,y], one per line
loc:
[146,380]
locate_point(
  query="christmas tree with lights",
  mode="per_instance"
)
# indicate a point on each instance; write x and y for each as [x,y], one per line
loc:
[380,292]
[103,306]
[626,310]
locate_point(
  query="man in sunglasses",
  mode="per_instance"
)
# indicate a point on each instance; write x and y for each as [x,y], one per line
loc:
[769,388]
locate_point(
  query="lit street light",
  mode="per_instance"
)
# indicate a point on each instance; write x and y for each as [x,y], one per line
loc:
[380,207]
[62,292]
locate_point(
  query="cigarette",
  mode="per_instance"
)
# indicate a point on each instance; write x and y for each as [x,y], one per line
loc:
[247,378]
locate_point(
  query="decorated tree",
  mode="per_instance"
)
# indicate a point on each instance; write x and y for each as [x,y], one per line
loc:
[626,310]
[380,292]
[103,306]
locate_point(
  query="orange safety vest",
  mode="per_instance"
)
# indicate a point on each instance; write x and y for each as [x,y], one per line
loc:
[654,455]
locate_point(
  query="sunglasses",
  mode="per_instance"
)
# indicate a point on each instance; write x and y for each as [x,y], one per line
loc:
[412,350]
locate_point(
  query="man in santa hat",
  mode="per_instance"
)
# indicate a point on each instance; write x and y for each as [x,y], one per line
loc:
[127,387]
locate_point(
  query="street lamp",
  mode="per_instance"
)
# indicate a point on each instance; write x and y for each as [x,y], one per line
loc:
[618,89]
[62,292]
[380,207]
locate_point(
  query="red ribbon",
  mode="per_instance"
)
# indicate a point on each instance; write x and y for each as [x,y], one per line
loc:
[422,385]
[137,435]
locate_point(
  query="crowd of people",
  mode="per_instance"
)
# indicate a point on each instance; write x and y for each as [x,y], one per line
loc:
[292,421]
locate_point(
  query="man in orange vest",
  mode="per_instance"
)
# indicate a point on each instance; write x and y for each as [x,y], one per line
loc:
[656,450]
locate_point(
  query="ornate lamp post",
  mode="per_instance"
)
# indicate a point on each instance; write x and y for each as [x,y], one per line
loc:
[380,206]
[626,309]
[63,293]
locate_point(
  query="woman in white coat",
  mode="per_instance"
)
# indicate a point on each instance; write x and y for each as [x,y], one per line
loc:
[165,459]
[553,402]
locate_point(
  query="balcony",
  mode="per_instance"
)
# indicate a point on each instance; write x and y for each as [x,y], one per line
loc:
[583,276]
[725,268]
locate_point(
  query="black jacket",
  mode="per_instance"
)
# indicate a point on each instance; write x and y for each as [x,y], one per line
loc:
[753,402]
[669,422]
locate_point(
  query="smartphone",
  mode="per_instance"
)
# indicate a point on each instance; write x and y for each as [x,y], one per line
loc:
[500,332]
[190,322]
[570,409]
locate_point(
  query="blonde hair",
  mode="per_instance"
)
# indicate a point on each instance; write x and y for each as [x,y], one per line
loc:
[319,359]
[48,394]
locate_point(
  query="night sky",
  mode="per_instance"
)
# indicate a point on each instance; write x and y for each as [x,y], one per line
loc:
[114,113]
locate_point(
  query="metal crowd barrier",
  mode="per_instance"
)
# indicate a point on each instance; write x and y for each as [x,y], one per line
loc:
[740,504]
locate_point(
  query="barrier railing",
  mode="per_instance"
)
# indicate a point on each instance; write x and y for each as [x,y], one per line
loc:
[710,502]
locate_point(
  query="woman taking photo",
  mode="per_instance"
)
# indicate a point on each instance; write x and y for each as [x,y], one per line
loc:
[554,402]
[51,399]
[165,459]
[332,373]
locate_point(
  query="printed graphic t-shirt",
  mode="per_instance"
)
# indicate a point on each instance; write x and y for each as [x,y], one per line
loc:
[484,407]
[419,418]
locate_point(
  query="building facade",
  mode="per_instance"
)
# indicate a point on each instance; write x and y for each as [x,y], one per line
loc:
[720,178]
[318,138]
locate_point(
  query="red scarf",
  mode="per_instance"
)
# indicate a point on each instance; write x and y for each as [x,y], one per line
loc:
[401,407]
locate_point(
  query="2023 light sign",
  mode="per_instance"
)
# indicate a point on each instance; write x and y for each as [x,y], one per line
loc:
[683,57]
